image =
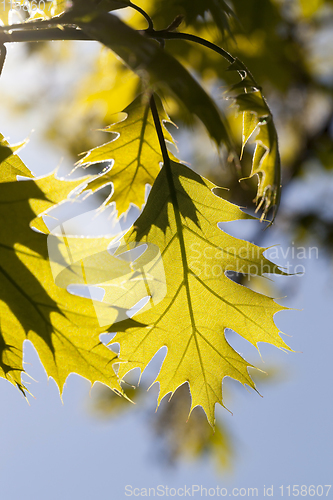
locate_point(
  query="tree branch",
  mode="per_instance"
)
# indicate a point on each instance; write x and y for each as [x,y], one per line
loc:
[42,35]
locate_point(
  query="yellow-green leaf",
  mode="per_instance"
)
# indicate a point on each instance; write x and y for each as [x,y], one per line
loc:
[63,327]
[181,217]
[258,124]
[55,191]
[11,165]
[135,156]
[250,123]
[266,163]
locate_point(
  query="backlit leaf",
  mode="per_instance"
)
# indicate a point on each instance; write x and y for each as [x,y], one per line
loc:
[258,124]
[63,327]
[134,153]
[181,218]
[11,164]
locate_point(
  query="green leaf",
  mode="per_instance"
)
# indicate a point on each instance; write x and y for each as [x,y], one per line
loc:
[181,218]
[11,165]
[266,163]
[63,327]
[258,124]
[154,65]
[219,9]
[220,12]
[135,154]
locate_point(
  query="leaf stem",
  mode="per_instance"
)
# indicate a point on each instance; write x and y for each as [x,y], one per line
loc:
[144,14]
[173,195]
[159,131]
[168,171]
[179,225]
[168,35]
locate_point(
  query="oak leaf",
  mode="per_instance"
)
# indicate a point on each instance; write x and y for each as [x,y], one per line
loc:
[181,217]
[132,158]
[62,327]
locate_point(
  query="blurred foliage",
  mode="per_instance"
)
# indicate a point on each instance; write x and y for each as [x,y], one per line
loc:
[180,439]
[287,44]
[174,437]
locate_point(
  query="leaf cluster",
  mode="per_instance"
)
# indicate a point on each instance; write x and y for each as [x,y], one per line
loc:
[165,283]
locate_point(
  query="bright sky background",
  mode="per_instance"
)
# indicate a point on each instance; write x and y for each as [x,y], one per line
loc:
[58,451]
